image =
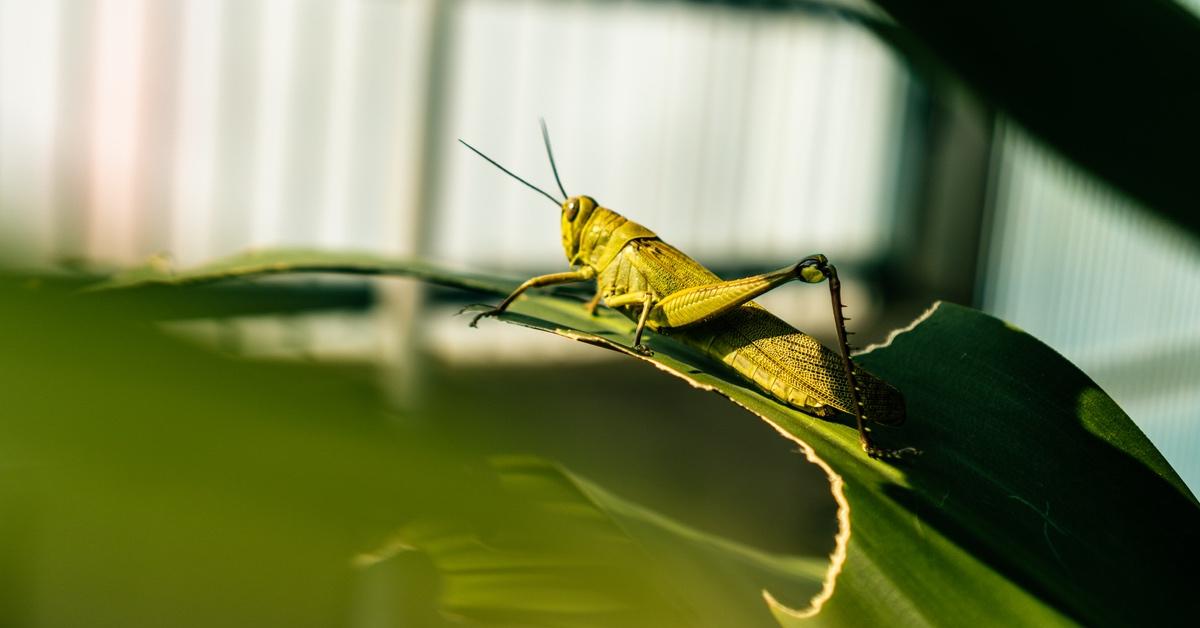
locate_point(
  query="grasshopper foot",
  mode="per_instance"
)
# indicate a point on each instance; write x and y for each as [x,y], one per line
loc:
[880,453]
[493,312]
[642,349]
[485,313]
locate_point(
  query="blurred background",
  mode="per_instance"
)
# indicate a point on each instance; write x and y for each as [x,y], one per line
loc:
[748,135]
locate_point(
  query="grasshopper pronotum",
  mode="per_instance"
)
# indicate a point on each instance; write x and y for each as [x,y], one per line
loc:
[666,291]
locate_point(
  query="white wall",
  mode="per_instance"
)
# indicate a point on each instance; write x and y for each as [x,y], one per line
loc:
[201,127]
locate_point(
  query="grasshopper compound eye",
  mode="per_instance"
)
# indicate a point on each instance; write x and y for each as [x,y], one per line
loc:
[571,209]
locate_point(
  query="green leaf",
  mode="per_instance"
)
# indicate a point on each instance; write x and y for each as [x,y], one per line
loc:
[1037,500]
[608,562]
[158,271]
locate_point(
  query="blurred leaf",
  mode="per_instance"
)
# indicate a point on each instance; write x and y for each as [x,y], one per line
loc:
[621,565]
[1037,500]
[145,482]
[157,272]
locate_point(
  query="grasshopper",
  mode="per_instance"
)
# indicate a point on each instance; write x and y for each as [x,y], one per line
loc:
[664,290]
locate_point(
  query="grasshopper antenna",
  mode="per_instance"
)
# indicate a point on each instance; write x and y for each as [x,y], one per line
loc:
[550,154]
[509,173]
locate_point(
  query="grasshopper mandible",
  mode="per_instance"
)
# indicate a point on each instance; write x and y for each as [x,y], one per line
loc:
[664,290]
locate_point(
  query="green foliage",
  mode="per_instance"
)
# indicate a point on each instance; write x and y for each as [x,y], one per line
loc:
[1037,500]
[610,563]
[148,482]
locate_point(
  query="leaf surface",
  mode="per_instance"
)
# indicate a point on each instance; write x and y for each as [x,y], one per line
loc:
[1037,500]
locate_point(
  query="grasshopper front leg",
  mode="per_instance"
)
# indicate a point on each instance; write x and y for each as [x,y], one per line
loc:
[583,274]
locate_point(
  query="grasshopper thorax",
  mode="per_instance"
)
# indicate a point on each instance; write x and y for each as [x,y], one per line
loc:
[576,211]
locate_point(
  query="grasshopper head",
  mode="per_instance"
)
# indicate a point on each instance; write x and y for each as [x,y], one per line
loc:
[575,213]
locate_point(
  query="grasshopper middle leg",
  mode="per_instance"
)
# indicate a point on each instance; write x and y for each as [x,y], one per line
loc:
[647,300]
